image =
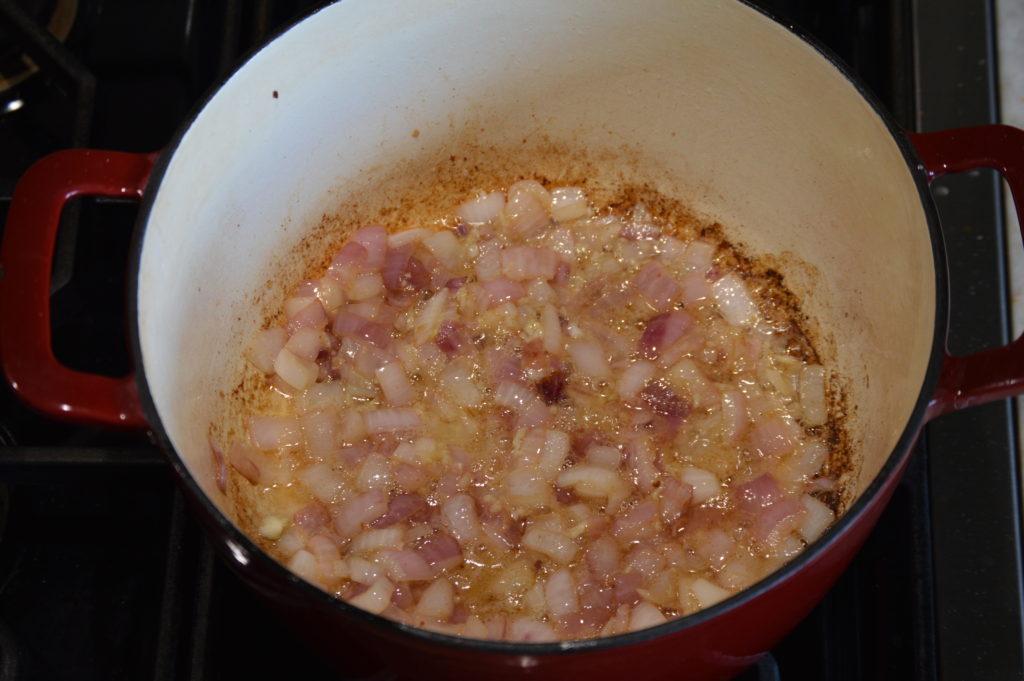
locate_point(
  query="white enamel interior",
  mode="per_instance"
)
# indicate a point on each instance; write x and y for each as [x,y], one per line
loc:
[728,110]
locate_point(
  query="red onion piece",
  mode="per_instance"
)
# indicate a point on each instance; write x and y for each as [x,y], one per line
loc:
[440,551]
[387,420]
[265,347]
[451,338]
[393,271]
[354,326]
[529,630]
[602,557]
[482,209]
[350,515]
[319,429]
[524,262]
[657,286]
[374,239]
[401,508]
[459,516]
[305,343]
[560,593]
[312,517]
[352,253]
[404,565]
[247,461]
[754,495]
[636,523]
[664,330]
[311,315]
[661,399]
[220,467]
[502,290]
[734,300]
[772,523]
[273,432]
[626,586]
[772,437]
[395,384]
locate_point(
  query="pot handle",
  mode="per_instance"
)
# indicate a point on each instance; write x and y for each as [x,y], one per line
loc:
[29,238]
[997,373]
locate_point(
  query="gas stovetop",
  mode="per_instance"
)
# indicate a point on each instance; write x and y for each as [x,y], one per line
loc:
[104,575]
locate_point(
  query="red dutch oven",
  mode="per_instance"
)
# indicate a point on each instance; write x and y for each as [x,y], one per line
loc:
[366,102]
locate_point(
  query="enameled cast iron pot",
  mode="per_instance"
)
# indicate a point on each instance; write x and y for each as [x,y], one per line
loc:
[705,100]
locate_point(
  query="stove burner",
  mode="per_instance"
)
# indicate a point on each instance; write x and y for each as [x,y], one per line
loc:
[16,65]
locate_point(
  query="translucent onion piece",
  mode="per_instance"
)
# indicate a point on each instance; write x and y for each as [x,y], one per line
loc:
[589,359]
[569,203]
[560,593]
[273,432]
[482,209]
[645,615]
[445,247]
[556,546]
[707,593]
[816,520]
[437,601]
[705,484]
[395,384]
[377,598]
[734,300]
[265,346]
[295,371]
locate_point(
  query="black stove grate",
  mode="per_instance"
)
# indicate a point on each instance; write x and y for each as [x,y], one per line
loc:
[103,573]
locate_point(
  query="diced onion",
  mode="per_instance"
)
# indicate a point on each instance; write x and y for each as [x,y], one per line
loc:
[604,456]
[295,371]
[386,420]
[645,615]
[377,598]
[429,319]
[318,430]
[482,209]
[272,527]
[445,247]
[698,256]
[592,481]
[323,481]
[706,593]
[705,484]
[305,565]
[375,240]
[569,203]
[437,601]
[634,378]
[305,343]
[365,286]
[524,212]
[734,301]
[529,630]
[274,432]
[560,592]
[523,262]
[265,346]
[371,541]
[459,515]
[395,384]
[590,359]
[556,546]
[816,520]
